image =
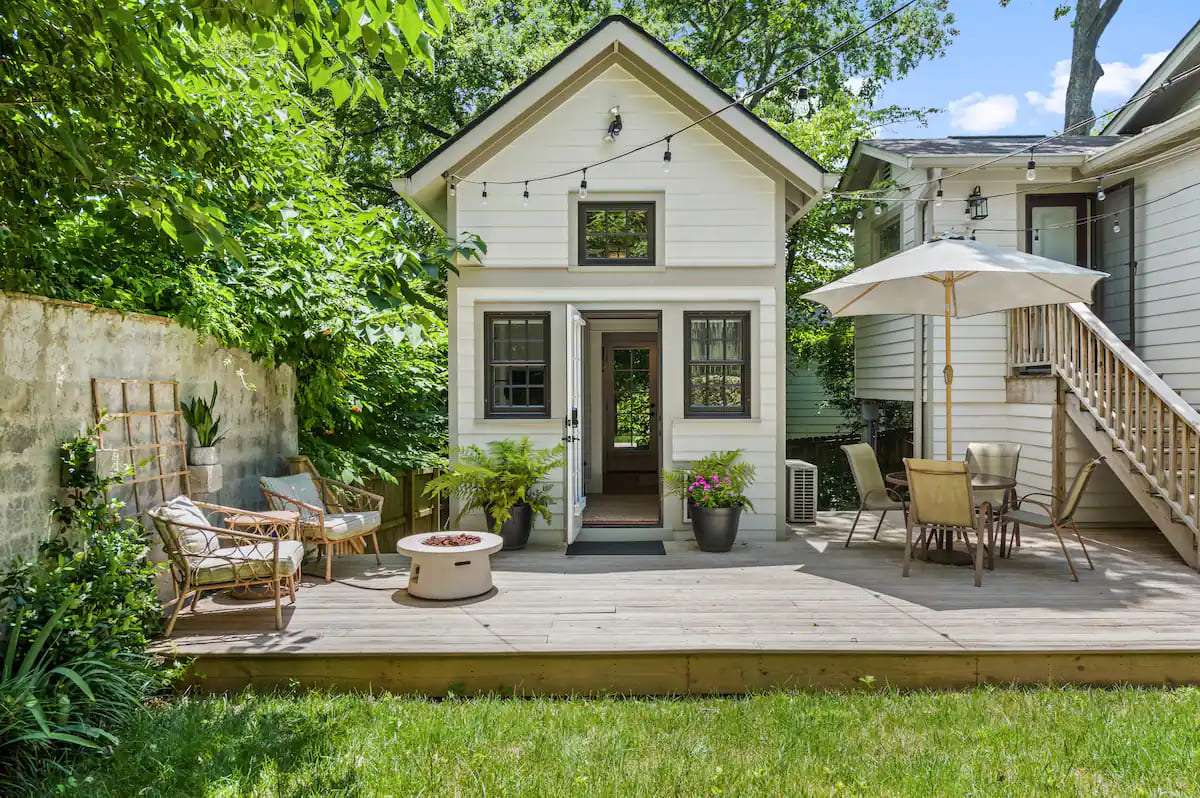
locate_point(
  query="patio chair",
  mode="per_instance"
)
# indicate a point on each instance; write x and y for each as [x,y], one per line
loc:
[1002,460]
[199,561]
[333,515]
[1064,517]
[940,497]
[873,494]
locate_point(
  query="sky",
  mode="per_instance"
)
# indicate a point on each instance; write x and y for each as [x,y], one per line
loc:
[1006,72]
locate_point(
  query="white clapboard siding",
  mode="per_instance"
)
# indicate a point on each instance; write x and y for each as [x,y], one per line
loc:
[719,209]
[1167,289]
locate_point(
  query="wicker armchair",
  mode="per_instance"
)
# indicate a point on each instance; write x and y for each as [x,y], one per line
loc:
[940,497]
[204,556]
[333,515]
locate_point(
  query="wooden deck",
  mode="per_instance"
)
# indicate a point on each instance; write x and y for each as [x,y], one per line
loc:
[801,613]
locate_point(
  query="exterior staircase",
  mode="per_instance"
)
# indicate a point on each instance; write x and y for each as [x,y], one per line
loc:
[1148,433]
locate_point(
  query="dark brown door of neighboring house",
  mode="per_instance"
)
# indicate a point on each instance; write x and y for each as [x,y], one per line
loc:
[631,420]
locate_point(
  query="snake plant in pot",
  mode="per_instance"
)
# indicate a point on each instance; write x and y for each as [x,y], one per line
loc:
[206,428]
[505,481]
[714,488]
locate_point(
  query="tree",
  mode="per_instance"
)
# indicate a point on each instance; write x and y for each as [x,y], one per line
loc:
[1091,20]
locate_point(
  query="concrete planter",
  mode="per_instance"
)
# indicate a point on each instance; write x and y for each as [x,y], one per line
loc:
[206,478]
[715,528]
[202,455]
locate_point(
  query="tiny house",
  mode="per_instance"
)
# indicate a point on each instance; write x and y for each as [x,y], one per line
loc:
[633,310]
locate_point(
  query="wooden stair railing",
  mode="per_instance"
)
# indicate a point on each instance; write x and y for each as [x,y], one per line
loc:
[1146,420]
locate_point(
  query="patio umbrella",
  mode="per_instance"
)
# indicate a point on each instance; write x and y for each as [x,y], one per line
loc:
[956,278]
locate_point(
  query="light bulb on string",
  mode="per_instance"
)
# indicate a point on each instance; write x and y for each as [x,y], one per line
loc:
[483,196]
[1100,195]
[878,208]
[453,189]
[938,202]
[583,186]
[1116,225]
[1031,170]
[860,212]
[667,158]
[525,196]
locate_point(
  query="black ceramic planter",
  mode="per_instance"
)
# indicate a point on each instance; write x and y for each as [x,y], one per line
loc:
[515,531]
[715,528]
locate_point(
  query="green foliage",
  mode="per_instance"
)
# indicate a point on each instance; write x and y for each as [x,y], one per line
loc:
[101,99]
[46,709]
[718,479]
[506,474]
[198,413]
[92,572]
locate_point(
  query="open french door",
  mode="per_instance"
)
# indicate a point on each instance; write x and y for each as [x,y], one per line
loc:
[576,496]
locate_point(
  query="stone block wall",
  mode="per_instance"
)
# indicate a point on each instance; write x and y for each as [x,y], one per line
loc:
[49,353]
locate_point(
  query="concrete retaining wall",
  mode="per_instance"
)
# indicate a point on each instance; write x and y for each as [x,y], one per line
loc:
[50,351]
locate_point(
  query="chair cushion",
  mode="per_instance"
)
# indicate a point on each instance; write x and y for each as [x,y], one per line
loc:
[1031,517]
[342,526]
[235,563]
[180,511]
[300,487]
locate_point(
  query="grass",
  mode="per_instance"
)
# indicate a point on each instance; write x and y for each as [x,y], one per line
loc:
[1002,742]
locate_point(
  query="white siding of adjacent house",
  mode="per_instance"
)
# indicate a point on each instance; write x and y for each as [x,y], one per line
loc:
[1167,290]
[721,211]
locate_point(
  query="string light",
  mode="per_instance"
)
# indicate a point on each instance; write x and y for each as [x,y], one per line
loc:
[878,208]
[1116,225]
[1031,170]
[583,186]
[525,196]
[938,202]
[483,196]
[667,158]
[453,189]
[860,212]
[1100,195]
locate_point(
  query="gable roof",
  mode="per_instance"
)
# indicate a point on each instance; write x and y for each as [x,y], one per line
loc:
[1160,107]
[615,39]
[967,151]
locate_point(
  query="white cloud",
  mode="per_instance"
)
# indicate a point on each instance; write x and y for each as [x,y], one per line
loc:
[977,113]
[1120,80]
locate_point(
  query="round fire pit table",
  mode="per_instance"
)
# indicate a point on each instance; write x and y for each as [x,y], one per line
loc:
[444,573]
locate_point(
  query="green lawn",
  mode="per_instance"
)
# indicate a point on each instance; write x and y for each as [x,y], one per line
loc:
[983,742]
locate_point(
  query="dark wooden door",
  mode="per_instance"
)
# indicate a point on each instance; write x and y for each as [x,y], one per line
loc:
[631,417]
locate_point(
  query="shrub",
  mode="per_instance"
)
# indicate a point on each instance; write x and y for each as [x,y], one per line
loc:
[506,474]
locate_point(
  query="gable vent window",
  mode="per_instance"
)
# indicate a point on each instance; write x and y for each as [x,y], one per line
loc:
[616,233]
[517,365]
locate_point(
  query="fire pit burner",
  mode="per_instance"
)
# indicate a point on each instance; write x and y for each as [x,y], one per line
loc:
[452,540]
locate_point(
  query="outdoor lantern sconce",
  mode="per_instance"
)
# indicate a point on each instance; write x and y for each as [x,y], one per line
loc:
[977,206]
[614,124]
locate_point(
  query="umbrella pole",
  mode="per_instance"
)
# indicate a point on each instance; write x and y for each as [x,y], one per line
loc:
[948,374]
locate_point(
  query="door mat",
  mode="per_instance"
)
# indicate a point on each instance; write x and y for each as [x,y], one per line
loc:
[616,547]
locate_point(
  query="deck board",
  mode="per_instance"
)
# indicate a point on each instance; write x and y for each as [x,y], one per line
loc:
[806,601]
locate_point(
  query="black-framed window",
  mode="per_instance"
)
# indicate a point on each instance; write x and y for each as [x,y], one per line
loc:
[717,364]
[517,365]
[616,233]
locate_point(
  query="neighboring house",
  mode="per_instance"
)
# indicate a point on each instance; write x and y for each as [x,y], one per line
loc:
[642,320]
[1124,202]
[809,412]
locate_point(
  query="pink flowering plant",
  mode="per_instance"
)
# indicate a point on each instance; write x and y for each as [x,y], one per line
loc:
[715,481]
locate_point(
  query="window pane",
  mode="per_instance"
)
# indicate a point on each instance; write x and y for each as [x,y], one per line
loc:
[617,233]
[516,370]
[716,369]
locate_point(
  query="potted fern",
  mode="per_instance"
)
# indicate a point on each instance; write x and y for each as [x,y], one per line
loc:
[503,480]
[206,428]
[714,488]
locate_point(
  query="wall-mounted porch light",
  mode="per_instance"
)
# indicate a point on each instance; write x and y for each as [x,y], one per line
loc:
[614,124]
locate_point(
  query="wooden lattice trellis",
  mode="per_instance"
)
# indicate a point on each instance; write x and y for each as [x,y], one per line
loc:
[145,427]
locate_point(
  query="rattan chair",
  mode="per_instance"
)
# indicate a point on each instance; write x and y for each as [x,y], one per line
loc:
[333,515]
[940,498]
[1064,517]
[873,494]
[201,559]
[1000,459]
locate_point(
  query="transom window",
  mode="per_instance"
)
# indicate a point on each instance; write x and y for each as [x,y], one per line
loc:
[517,364]
[717,376]
[616,233]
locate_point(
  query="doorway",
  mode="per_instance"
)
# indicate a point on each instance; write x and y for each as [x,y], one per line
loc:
[624,458]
